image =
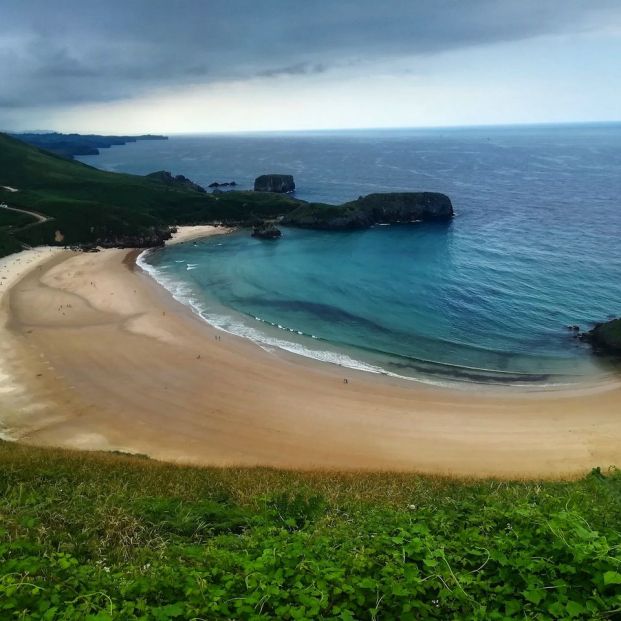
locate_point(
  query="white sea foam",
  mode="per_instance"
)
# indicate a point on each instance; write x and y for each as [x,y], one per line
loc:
[184,294]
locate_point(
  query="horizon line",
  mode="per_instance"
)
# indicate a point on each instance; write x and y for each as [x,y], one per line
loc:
[331,129]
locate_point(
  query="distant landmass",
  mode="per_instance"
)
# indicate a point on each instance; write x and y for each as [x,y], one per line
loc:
[366,211]
[70,145]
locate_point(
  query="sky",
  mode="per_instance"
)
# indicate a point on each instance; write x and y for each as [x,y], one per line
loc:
[137,66]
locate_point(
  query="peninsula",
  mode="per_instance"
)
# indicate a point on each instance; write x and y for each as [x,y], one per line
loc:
[69,145]
[83,206]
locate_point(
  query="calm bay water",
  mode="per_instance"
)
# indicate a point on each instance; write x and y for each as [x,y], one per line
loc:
[535,247]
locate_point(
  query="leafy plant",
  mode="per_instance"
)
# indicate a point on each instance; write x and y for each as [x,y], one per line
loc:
[114,537]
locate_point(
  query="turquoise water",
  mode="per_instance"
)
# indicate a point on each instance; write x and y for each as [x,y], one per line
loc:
[534,247]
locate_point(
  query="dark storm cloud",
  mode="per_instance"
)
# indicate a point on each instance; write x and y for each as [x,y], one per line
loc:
[71,51]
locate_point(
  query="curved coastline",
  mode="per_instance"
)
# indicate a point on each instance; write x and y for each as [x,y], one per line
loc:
[107,360]
[425,371]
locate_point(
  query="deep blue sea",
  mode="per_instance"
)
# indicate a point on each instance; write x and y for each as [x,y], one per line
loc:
[535,247]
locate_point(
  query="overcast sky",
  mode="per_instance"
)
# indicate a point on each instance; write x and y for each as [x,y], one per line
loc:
[129,66]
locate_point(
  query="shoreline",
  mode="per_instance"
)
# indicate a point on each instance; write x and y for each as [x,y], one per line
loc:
[350,363]
[106,359]
[191,233]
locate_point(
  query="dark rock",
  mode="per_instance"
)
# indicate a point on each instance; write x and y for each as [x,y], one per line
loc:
[179,181]
[274,183]
[266,230]
[389,208]
[149,238]
[226,184]
[605,338]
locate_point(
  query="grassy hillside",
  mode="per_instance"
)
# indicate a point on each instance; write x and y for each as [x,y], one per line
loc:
[88,205]
[8,244]
[99,537]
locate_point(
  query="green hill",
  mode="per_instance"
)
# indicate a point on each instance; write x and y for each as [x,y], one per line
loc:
[101,537]
[92,206]
[69,145]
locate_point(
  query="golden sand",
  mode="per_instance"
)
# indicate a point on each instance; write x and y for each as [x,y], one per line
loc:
[101,357]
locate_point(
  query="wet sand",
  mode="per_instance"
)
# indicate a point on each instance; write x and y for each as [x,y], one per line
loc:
[101,357]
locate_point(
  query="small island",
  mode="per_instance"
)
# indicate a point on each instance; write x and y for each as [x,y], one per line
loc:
[280,184]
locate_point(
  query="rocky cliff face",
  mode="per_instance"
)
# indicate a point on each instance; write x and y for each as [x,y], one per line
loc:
[179,181]
[274,183]
[389,208]
[605,337]
[266,230]
[148,238]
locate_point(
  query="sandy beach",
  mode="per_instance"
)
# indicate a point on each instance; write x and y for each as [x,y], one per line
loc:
[96,355]
[189,233]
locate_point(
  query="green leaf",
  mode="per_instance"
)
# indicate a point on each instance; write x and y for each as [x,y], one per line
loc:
[534,595]
[612,577]
[574,608]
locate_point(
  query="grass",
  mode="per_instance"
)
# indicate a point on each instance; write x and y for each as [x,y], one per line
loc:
[102,536]
[8,244]
[12,219]
[92,206]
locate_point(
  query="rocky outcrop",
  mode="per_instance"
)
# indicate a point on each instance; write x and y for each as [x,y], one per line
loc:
[274,183]
[389,208]
[217,184]
[179,181]
[605,338]
[147,238]
[266,230]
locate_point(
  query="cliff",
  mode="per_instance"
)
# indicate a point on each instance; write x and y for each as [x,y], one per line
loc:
[179,181]
[389,208]
[274,183]
[266,230]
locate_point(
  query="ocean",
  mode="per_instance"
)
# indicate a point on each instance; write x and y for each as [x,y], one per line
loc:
[534,247]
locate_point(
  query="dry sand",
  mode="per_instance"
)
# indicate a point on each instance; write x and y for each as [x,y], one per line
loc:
[189,233]
[12,269]
[101,357]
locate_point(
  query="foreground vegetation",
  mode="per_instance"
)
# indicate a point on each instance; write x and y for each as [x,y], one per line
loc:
[102,536]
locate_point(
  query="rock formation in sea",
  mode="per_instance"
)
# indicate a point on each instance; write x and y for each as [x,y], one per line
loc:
[179,181]
[218,184]
[266,230]
[388,208]
[605,338]
[274,183]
